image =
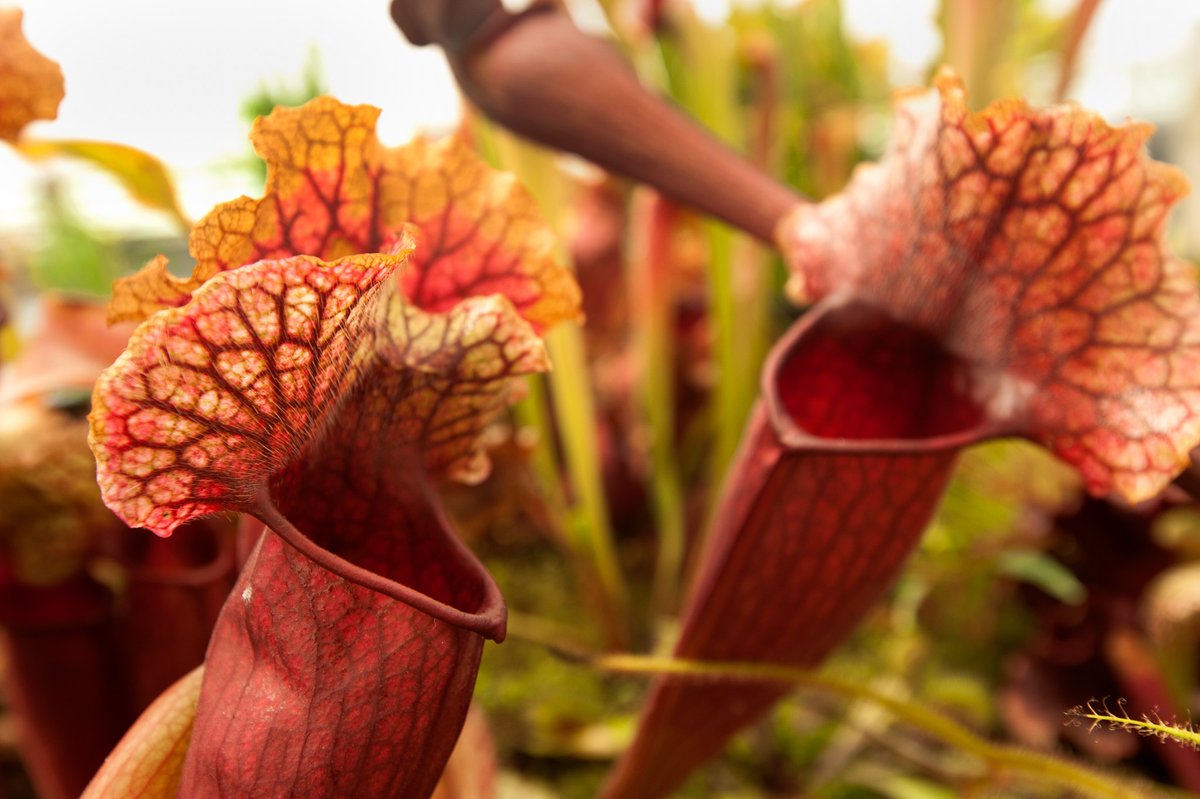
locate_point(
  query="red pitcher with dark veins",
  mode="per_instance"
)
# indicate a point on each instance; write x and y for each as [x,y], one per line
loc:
[998,273]
[97,618]
[827,497]
[341,344]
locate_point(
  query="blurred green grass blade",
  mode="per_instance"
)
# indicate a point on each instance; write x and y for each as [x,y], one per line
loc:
[588,522]
[142,175]
[1041,570]
[703,75]
[651,282]
[72,259]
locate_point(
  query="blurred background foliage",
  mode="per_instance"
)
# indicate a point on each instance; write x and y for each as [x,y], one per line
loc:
[1025,600]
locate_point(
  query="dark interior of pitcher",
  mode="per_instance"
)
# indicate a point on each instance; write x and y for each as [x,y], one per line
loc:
[851,372]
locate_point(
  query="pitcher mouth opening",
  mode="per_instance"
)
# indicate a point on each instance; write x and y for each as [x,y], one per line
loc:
[848,377]
[461,593]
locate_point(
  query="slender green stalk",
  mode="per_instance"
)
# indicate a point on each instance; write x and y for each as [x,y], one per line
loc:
[590,527]
[650,302]
[588,524]
[702,66]
[533,412]
[667,492]
[1034,767]
[1000,760]
[1151,726]
[729,404]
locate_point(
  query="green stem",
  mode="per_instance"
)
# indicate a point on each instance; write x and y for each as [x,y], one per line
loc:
[652,320]
[1157,728]
[570,386]
[702,66]
[729,404]
[670,521]
[1020,763]
[1000,758]
[533,413]
[588,524]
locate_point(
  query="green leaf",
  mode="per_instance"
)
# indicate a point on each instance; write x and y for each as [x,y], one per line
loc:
[73,260]
[1039,569]
[141,174]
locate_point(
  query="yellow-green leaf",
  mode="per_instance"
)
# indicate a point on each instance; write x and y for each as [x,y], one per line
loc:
[141,174]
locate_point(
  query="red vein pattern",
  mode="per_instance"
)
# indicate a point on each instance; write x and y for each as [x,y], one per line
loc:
[323,398]
[821,539]
[335,689]
[1028,241]
[843,463]
[998,273]
[213,398]
[333,190]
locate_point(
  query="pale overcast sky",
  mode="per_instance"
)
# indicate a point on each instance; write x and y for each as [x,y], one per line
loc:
[169,77]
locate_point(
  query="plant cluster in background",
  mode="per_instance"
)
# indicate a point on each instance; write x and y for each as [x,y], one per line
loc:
[379,360]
